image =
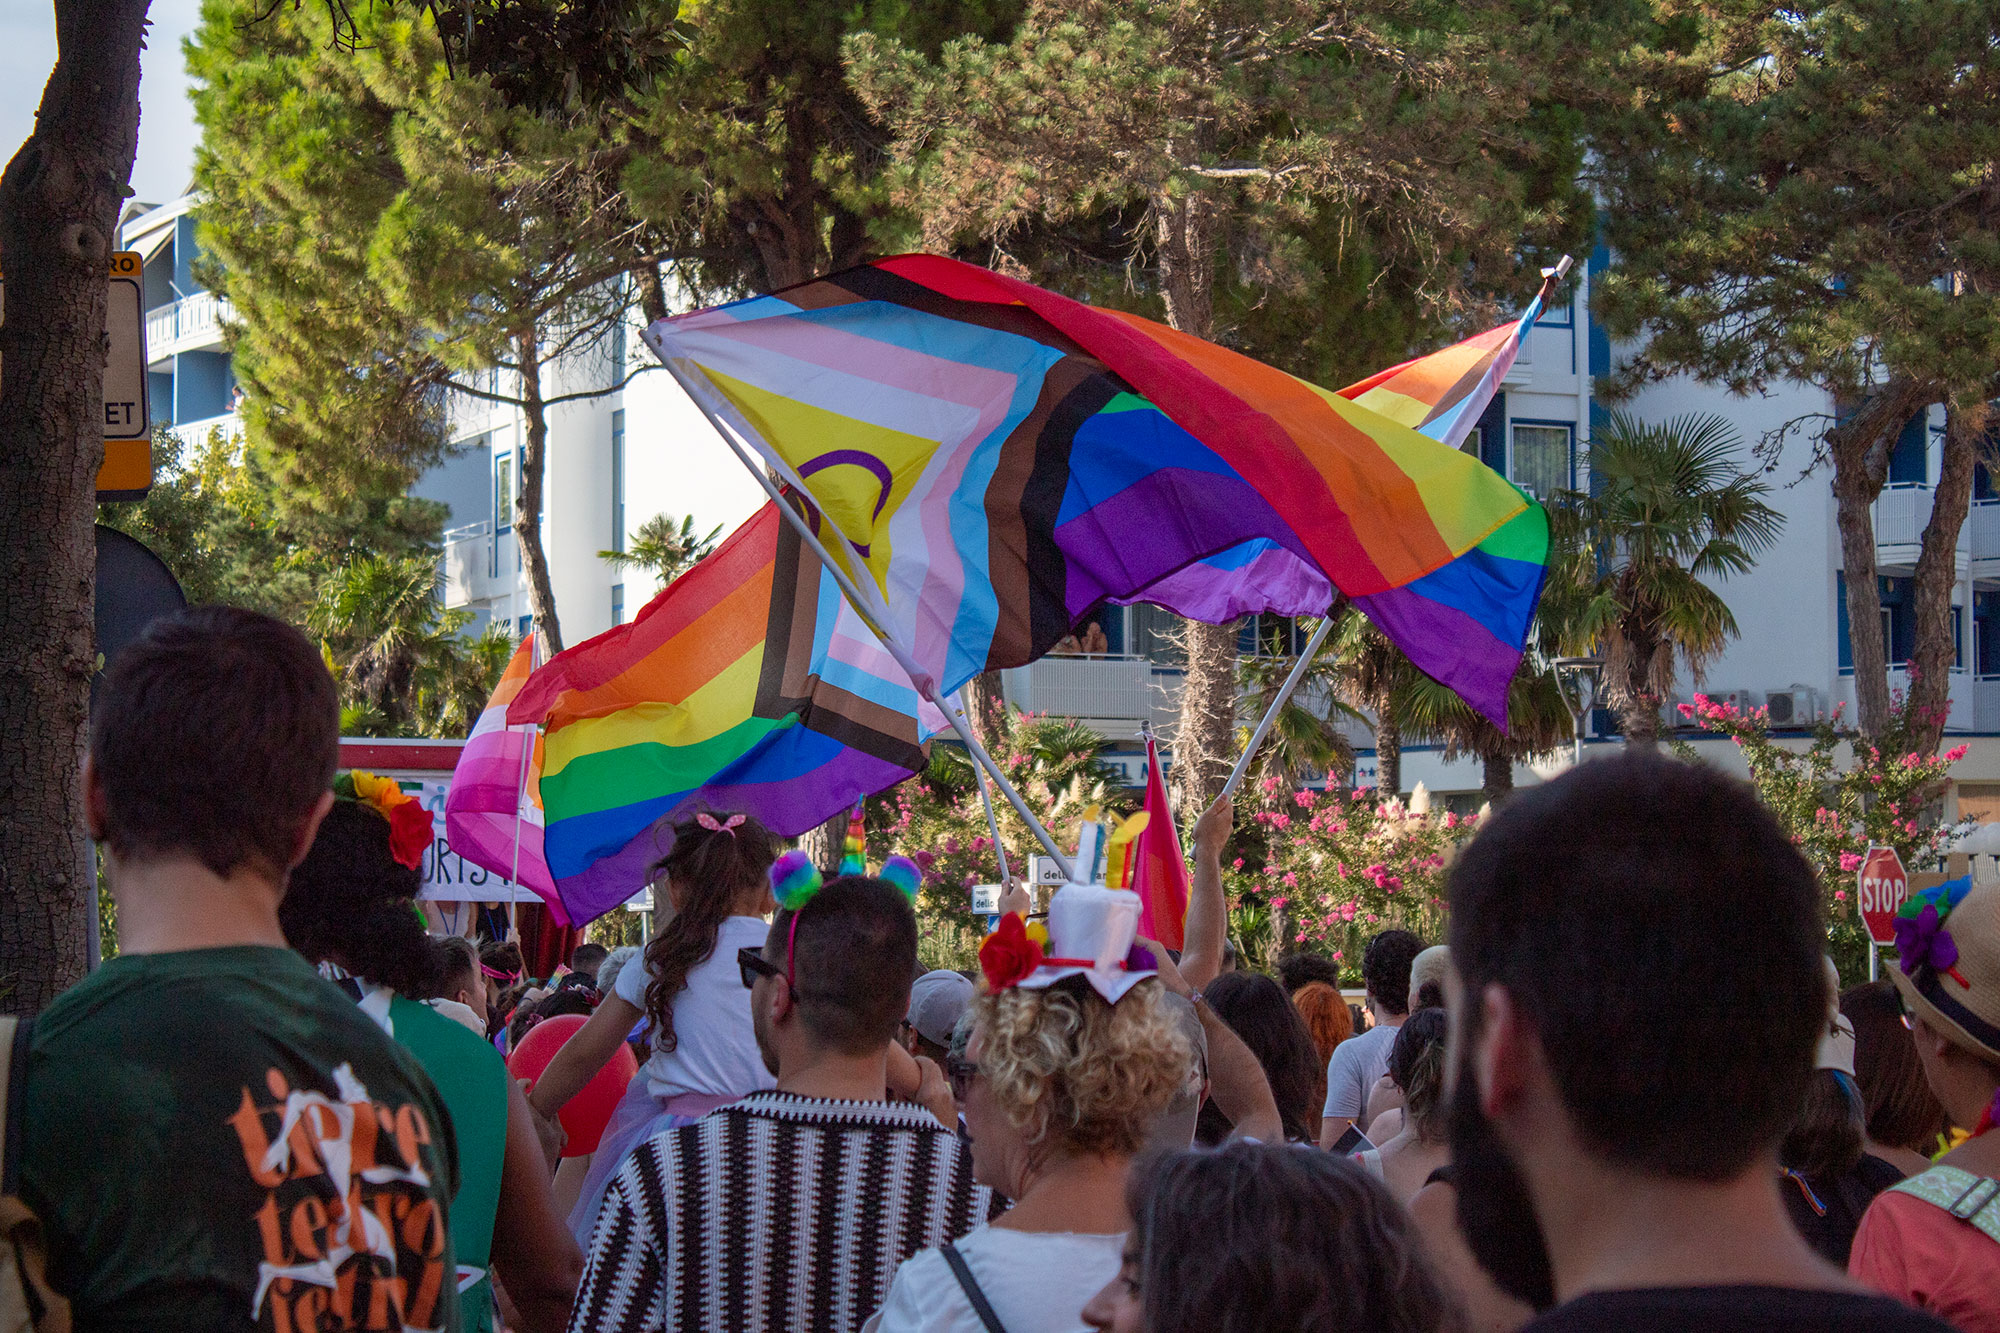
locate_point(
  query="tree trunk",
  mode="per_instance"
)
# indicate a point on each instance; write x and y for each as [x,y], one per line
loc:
[1934,655]
[59,205]
[1639,718]
[1859,447]
[826,843]
[1388,752]
[1205,738]
[1496,774]
[652,292]
[986,708]
[528,506]
[1205,735]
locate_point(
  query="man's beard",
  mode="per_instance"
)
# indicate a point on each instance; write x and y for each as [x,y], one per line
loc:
[1495,1212]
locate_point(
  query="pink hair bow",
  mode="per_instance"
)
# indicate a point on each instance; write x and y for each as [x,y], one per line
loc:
[714,825]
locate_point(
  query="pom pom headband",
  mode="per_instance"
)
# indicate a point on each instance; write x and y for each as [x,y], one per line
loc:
[795,879]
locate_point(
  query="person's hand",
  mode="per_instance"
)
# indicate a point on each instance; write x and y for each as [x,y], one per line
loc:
[1170,973]
[1017,899]
[904,1077]
[1212,830]
[548,1129]
[934,1093]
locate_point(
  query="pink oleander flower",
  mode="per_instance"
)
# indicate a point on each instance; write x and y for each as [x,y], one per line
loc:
[1281,820]
[1302,799]
[1850,862]
[1237,864]
[1291,879]
[1685,710]
[1270,784]
[1840,895]
[1956,753]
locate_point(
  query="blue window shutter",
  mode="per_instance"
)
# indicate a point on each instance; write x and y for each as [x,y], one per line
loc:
[1493,434]
[1840,601]
[1911,460]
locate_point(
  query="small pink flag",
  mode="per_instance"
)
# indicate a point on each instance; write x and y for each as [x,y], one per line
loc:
[493,812]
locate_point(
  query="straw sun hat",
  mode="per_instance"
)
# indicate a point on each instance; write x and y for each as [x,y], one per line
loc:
[1948,968]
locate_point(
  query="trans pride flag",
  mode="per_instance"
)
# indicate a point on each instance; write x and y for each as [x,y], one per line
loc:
[747,684]
[490,814]
[1003,460]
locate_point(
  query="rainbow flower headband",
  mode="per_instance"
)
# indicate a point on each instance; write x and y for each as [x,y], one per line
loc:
[410,826]
[1921,937]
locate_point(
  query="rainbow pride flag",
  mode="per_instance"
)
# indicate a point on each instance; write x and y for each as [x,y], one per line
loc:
[747,685]
[491,817]
[1443,394]
[1003,460]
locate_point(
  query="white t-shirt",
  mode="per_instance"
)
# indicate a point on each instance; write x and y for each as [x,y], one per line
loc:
[1036,1282]
[715,1048]
[1353,1070]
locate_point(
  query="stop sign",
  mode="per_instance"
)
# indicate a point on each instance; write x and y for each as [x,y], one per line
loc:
[1883,887]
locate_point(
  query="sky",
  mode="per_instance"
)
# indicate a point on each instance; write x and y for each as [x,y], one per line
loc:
[166,122]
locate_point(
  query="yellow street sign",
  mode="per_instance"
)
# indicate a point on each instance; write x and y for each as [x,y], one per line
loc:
[127,473]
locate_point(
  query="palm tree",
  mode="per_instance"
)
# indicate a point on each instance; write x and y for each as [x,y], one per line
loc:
[381,618]
[1669,510]
[1373,675]
[455,681]
[666,551]
[1306,733]
[1538,723]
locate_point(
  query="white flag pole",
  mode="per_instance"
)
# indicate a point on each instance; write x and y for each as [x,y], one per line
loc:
[872,610]
[992,821]
[1306,655]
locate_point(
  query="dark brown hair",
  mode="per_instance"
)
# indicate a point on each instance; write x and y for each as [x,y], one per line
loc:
[711,867]
[206,691]
[1416,1065]
[1252,1238]
[352,902]
[1825,1139]
[1257,1009]
[1592,901]
[1901,1109]
[854,957]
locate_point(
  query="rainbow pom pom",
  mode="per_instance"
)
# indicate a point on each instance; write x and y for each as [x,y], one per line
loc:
[904,874]
[794,879]
[854,853]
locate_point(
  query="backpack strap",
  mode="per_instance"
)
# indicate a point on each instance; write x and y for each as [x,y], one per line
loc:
[1971,1199]
[970,1286]
[14,1035]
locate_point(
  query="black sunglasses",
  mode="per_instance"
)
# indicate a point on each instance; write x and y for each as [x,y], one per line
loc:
[960,1073]
[751,964]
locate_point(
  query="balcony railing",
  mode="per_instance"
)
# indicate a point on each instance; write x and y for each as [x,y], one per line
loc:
[188,322]
[1102,690]
[1984,521]
[1986,703]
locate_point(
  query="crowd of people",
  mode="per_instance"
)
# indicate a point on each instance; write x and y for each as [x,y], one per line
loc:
[1627,1093]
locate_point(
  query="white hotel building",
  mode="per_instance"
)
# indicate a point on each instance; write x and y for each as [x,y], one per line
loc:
[616,460]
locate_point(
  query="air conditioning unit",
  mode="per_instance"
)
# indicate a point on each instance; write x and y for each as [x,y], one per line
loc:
[1741,700]
[1796,707]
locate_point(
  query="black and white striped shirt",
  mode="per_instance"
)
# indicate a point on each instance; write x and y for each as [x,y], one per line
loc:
[779,1212]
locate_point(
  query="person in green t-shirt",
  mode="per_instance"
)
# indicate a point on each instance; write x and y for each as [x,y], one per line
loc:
[214,1136]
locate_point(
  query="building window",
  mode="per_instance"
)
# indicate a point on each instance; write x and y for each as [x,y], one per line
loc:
[1474,442]
[503,492]
[618,337]
[1910,464]
[617,603]
[1540,462]
[1899,620]
[618,480]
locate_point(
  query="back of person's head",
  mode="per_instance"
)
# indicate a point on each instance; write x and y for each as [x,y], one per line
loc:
[206,691]
[614,963]
[1416,1065]
[353,903]
[502,957]
[1257,1009]
[1385,967]
[1326,1016]
[1076,1074]
[713,860]
[1427,974]
[586,958]
[1595,902]
[459,968]
[853,955]
[1825,1137]
[1256,1238]
[553,1005]
[1900,1108]
[1299,968]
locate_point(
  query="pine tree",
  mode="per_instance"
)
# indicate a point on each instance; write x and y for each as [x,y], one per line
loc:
[1252,149]
[1805,192]
[391,230]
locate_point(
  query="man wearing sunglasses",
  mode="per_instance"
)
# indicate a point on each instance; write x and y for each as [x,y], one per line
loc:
[793,1207]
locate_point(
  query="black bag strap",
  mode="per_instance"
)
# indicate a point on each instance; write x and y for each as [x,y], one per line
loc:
[14,1085]
[970,1286]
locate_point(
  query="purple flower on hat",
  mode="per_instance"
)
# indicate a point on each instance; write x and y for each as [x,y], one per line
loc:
[1922,940]
[1140,959]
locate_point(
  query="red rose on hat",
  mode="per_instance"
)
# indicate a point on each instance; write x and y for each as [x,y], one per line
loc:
[1009,954]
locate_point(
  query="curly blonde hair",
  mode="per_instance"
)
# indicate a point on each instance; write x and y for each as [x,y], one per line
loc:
[1077,1074]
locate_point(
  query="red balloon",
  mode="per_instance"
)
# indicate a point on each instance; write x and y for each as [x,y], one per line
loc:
[585,1115]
